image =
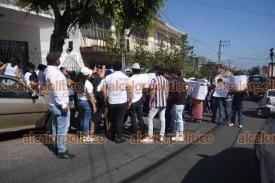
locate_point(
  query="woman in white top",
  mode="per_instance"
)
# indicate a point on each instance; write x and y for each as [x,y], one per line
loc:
[85,97]
[11,69]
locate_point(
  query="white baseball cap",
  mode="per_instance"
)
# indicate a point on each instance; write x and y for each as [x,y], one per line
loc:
[136,66]
[86,71]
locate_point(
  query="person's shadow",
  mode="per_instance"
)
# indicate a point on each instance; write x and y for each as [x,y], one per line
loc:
[238,165]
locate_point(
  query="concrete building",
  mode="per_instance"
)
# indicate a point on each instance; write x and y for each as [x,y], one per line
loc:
[26,35]
[93,44]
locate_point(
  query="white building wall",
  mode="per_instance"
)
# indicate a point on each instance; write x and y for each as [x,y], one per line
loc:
[45,37]
[14,32]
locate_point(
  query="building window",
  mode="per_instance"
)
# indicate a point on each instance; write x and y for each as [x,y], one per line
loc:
[18,49]
[140,36]
[159,37]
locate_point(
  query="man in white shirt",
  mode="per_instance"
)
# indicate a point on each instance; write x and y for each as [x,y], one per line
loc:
[117,91]
[137,83]
[59,104]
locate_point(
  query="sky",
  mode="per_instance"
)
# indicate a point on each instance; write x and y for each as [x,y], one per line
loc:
[248,24]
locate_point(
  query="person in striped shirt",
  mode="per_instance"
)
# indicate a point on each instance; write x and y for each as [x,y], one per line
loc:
[159,89]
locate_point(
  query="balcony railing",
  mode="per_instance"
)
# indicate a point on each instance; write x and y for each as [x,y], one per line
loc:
[94,32]
[95,37]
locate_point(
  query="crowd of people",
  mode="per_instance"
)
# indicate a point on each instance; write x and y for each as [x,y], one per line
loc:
[105,97]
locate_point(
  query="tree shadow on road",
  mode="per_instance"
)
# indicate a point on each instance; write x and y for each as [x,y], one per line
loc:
[236,165]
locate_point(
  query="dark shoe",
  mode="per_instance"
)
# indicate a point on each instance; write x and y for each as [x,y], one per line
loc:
[65,155]
[120,141]
[111,137]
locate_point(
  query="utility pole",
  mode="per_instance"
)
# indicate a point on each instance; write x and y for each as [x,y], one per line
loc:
[219,53]
[222,44]
[229,64]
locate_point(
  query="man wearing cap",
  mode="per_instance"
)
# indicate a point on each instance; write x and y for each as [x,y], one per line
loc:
[137,84]
[59,104]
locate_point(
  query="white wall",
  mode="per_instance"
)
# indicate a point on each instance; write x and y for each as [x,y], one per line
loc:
[14,32]
[45,37]
[38,40]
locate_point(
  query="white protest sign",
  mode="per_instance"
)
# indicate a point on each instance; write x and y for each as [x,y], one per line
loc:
[199,92]
[240,82]
[221,90]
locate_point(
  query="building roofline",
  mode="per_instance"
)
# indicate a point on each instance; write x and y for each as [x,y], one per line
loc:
[170,26]
[18,8]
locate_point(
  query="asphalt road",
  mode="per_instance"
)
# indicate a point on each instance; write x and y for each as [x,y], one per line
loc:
[224,160]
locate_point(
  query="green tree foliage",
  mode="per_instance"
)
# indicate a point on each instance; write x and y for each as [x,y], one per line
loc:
[71,14]
[142,56]
[192,73]
[68,14]
[177,56]
[208,70]
[111,47]
[132,14]
[254,71]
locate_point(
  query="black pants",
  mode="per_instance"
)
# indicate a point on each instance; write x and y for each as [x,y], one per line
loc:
[136,112]
[116,114]
[168,125]
[99,118]
[217,103]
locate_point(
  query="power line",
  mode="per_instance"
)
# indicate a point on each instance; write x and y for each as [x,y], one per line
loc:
[189,36]
[210,47]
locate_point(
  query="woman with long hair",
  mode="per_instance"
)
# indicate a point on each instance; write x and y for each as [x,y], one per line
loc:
[85,100]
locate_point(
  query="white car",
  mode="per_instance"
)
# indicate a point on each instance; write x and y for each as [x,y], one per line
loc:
[267,101]
[265,150]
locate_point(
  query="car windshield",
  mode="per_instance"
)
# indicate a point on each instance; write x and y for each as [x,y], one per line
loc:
[271,93]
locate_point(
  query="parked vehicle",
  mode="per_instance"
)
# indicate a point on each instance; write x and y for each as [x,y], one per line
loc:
[256,85]
[20,106]
[267,101]
[265,149]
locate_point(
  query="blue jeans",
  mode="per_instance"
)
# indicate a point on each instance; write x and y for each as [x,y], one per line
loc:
[60,126]
[152,113]
[177,119]
[237,109]
[86,115]
[222,109]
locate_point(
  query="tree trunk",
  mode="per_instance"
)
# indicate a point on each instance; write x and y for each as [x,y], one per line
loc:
[59,35]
